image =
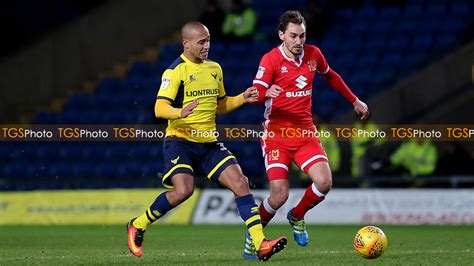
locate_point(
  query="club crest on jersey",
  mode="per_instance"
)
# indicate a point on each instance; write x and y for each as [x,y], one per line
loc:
[192,78]
[313,65]
[284,69]
[260,72]
[274,155]
[214,75]
[165,82]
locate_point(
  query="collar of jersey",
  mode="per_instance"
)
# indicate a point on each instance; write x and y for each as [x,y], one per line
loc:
[292,59]
[189,61]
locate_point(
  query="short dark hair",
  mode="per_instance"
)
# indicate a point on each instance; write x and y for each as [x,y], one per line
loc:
[292,16]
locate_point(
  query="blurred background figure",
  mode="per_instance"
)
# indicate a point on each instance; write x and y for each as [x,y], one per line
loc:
[213,17]
[240,21]
[455,160]
[417,156]
[361,144]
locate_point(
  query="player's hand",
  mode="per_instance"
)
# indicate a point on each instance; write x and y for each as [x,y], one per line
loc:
[273,91]
[361,109]
[251,95]
[189,109]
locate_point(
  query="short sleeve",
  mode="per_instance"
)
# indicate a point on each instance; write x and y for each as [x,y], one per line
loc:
[265,74]
[170,82]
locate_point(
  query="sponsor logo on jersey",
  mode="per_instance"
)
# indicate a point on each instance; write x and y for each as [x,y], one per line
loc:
[214,75]
[284,69]
[293,94]
[203,92]
[165,82]
[301,82]
[260,72]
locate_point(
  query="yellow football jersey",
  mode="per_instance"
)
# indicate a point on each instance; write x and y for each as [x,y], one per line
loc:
[184,82]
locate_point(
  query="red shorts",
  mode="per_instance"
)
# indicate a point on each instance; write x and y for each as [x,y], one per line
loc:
[278,155]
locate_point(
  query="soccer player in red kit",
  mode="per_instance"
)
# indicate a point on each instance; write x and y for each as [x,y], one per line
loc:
[284,82]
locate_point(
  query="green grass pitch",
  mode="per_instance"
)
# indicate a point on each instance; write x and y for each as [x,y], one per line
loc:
[223,245]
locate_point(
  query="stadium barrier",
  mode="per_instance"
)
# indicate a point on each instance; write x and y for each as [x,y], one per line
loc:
[217,206]
[111,206]
[354,206]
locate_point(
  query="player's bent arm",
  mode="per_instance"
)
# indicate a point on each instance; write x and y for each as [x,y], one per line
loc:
[163,109]
[230,103]
[333,79]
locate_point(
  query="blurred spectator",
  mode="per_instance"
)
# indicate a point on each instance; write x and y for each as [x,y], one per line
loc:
[213,18]
[455,161]
[417,156]
[318,18]
[361,144]
[240,22]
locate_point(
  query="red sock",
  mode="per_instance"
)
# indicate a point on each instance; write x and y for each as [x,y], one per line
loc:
[265,215]
[309,200]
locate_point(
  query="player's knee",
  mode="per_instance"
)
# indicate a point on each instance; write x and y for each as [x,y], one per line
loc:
[183,193]
[242,182]
[240,185]
[324,183]
[279,196]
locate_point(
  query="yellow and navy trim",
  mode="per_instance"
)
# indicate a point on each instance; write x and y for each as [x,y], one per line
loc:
[181,168]
[153,215]
[220,166]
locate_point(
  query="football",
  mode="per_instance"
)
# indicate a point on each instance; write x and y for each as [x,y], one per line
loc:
[370,242]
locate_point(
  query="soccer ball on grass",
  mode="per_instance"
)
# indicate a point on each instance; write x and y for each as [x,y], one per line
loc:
[370,242]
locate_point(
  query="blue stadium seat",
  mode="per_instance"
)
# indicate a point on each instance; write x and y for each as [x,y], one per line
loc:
[44,118]
[375,44]
[453,25]
[109,84]
[392,59]
[140,68]
[68,117]
[381,28]
[131,169]
[423,42]
[353,44]
[390,13]
[78,101]
[48,152]
[359,28]
[107,170]
[430,26]
[61,169]
[366,13]
[344,13]
[83,169]
[413,10]
[437,10]
[445,40]
[399,43]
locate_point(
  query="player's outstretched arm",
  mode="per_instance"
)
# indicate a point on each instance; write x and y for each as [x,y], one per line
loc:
[163,109]
[361,109]
[230,103]
[334,80]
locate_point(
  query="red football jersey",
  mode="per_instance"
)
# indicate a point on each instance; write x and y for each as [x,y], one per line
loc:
[293,106]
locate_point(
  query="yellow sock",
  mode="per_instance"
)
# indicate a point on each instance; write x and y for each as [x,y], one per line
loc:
[143,221]
[256,232]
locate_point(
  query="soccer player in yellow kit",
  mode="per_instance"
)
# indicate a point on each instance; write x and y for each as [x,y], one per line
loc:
[191,94]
